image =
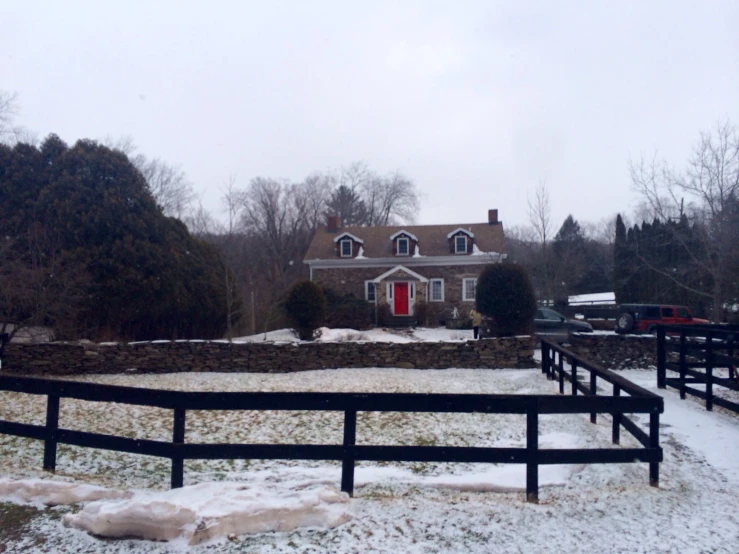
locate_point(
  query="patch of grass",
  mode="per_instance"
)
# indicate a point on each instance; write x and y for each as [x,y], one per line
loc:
[15,521]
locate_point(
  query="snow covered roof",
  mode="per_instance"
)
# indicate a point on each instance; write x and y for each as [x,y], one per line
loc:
[353,237]
[460,230]
[403,232]
[433,238]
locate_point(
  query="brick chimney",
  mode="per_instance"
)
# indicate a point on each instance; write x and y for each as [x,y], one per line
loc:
[492,217]
[333,223]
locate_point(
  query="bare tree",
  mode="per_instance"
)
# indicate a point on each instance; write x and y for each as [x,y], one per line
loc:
[704,193]
[168,184]
[315,192]
[200,222]
[540,220]
[9,133]
[235,267]
[275,212]
[390,200]
[8,111]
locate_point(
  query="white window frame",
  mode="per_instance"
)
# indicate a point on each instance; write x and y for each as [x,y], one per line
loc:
[464,289]
[431,290]
[341,248]
[370,285]
[456,249]
[407,246]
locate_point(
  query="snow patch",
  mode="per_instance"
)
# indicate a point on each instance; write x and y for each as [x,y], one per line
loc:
[42,492]
[211,511]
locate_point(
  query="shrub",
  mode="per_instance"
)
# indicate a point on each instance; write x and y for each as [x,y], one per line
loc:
[504,293]
[384,315]
[427,314]
[347,311]
[306,308]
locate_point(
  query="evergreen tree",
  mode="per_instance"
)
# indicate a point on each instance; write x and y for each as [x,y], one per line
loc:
[346,203]
[148,278]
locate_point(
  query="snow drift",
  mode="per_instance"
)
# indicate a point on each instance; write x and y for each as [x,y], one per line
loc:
[53,493]
[209,511]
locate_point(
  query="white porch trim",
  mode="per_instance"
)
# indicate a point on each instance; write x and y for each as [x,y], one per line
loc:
[400,268]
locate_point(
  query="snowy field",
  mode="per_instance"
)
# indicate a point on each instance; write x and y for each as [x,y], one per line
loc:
[397,507]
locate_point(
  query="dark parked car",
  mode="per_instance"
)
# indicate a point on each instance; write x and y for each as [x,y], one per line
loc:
[644,318]
[553,325]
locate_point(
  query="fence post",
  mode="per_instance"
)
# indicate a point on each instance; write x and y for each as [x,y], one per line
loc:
[593,392]
[52,428]
[654,443]
[616,435]
[350,439]
[573,363]
[178,438]
[561,374]
[683,347]
[545,358]
[709,371]
[532,451]
[661,358]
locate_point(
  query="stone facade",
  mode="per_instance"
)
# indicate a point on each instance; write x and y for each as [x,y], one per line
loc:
[352,281]
[55,359]
[616,351]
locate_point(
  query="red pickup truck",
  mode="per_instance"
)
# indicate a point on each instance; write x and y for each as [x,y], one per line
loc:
[643,318]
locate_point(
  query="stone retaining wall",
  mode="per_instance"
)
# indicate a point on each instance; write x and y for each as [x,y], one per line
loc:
[616,351]
[202,356]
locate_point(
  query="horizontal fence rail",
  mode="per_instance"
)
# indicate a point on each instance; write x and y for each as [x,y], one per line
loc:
[562,364]
[696,353]
[348,452]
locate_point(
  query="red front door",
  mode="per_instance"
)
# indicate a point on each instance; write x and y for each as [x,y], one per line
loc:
[400,294]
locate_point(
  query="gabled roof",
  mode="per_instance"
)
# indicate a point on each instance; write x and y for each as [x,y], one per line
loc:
[400,268]
[342,235]
[403,232]
[450,234]
[432,239]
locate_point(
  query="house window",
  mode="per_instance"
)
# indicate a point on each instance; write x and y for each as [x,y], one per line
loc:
[403,247]
[437,290]
[468,289]
[460,244]
[369,292]
[346,248]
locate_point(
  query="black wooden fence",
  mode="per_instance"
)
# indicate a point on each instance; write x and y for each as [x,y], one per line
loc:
[554,362]
[695,353]
[350,403]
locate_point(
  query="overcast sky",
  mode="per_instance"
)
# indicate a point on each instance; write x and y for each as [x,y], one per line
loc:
[475,101]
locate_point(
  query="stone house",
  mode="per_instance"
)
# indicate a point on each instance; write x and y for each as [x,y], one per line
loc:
[404,265]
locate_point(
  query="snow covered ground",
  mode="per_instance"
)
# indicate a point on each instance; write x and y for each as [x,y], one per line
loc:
[399,507]
[370,335]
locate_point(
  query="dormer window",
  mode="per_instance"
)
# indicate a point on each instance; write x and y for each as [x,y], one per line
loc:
[403,243]
[403,247]
[460,244]
[461,241]
[348,245]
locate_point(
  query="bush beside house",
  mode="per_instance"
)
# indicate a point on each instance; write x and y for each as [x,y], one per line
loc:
[504,295]
[306,308]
